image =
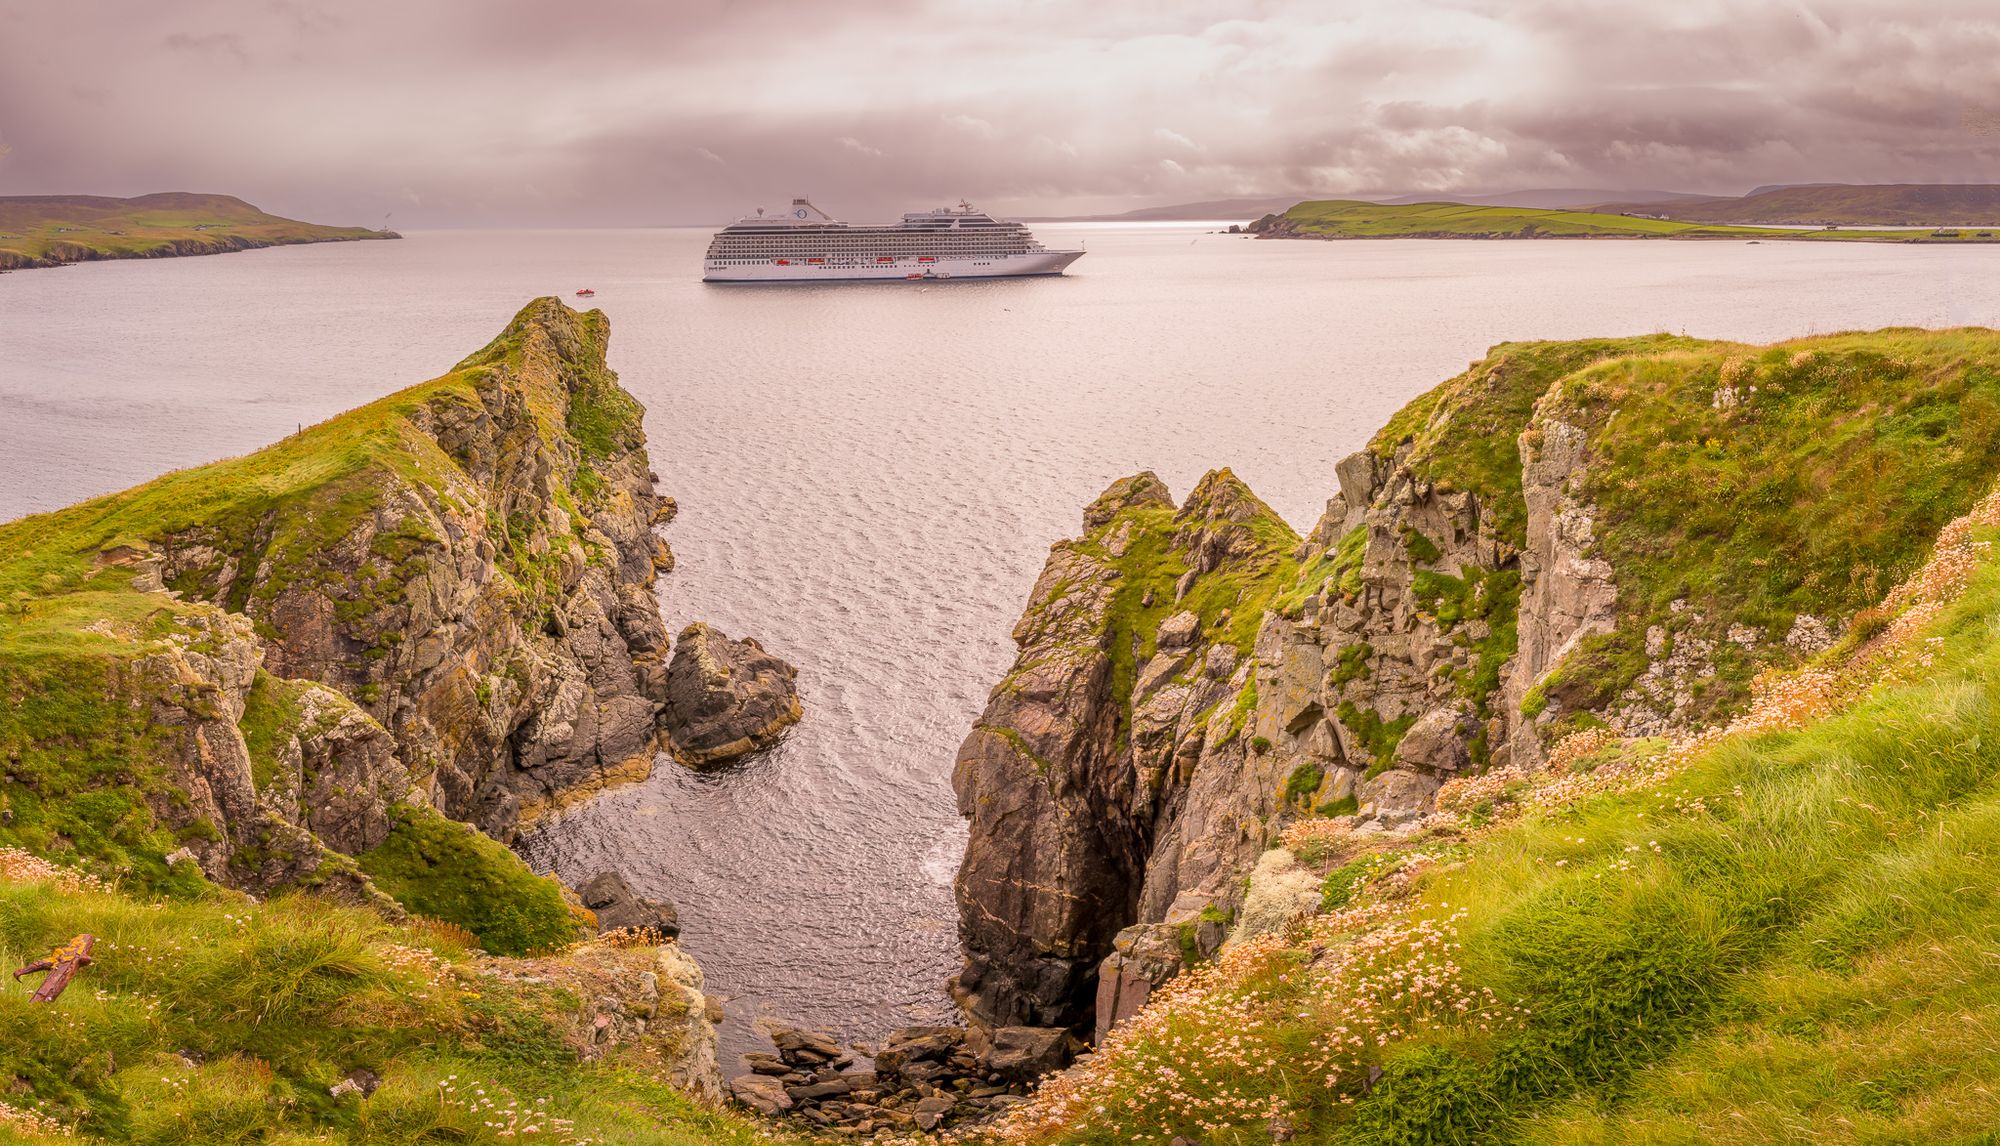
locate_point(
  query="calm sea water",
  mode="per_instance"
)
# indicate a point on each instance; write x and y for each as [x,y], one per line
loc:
[870,477]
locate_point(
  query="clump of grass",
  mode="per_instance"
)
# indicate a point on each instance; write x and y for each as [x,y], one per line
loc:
[1303,782]
[447,870]
[1351,664]
[1378,737]
[220,1020]
[1346,805]
[1421,549]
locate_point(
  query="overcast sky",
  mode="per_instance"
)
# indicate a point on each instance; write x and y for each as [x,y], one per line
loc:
[462,112]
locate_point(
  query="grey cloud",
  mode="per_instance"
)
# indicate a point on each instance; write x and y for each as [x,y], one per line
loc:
[510,111]
[208,44]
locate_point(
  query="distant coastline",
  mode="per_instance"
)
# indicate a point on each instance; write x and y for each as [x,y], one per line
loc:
[56,230]
[1916,205]
[1357,219]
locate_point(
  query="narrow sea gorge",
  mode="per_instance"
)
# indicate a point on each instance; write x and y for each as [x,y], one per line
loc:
[869,479]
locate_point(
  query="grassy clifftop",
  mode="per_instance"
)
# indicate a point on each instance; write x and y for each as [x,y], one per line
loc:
[132,675]
[1751,485]
[1775,930]
[290,502]
[1355,219]
[48,230]
[214,1019]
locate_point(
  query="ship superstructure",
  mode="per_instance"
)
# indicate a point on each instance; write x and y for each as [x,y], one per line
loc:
[805,244]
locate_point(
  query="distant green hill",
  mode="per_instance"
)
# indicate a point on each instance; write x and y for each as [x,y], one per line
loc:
[49,230]
[1355,219]
[1846,205]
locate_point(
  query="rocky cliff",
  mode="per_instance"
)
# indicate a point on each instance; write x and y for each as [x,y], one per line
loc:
[480,581]
[297,668]
[1131,690]
[1615,533]
[444,598]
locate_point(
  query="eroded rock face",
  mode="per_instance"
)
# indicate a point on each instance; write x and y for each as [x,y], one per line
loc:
[646,996]
[1127,697]
[1498,571]
[724,698]
[332,768]
[485,594]
[196,682]
[1121,826]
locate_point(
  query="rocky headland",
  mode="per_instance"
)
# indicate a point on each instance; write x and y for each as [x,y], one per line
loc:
[352,664]
[1611,535]
[56,230]
[443,599]
[442,602]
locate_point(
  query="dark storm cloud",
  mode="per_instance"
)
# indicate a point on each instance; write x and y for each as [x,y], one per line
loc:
[472,111]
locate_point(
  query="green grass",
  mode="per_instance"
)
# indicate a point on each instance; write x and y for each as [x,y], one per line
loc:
[1813,493]
[1303,782]
[45,230]
[1788,939]
[224,1021]
[288,503]
[81,779]
[1378,737]
[1336,572]
[1818,482]
[1464,434]
[447,870]
[1422,549]
[1355,219]
[1352,664]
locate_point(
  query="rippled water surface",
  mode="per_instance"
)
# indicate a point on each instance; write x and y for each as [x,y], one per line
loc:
[871,475]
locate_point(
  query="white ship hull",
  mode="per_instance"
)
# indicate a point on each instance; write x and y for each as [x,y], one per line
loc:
[905,269]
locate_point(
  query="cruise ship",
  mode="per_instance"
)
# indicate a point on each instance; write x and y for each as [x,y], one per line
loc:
[805,244]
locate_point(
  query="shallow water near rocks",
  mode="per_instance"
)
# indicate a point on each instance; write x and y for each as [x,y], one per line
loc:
[870,476]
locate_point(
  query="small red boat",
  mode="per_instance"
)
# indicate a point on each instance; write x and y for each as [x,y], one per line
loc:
[586,292]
